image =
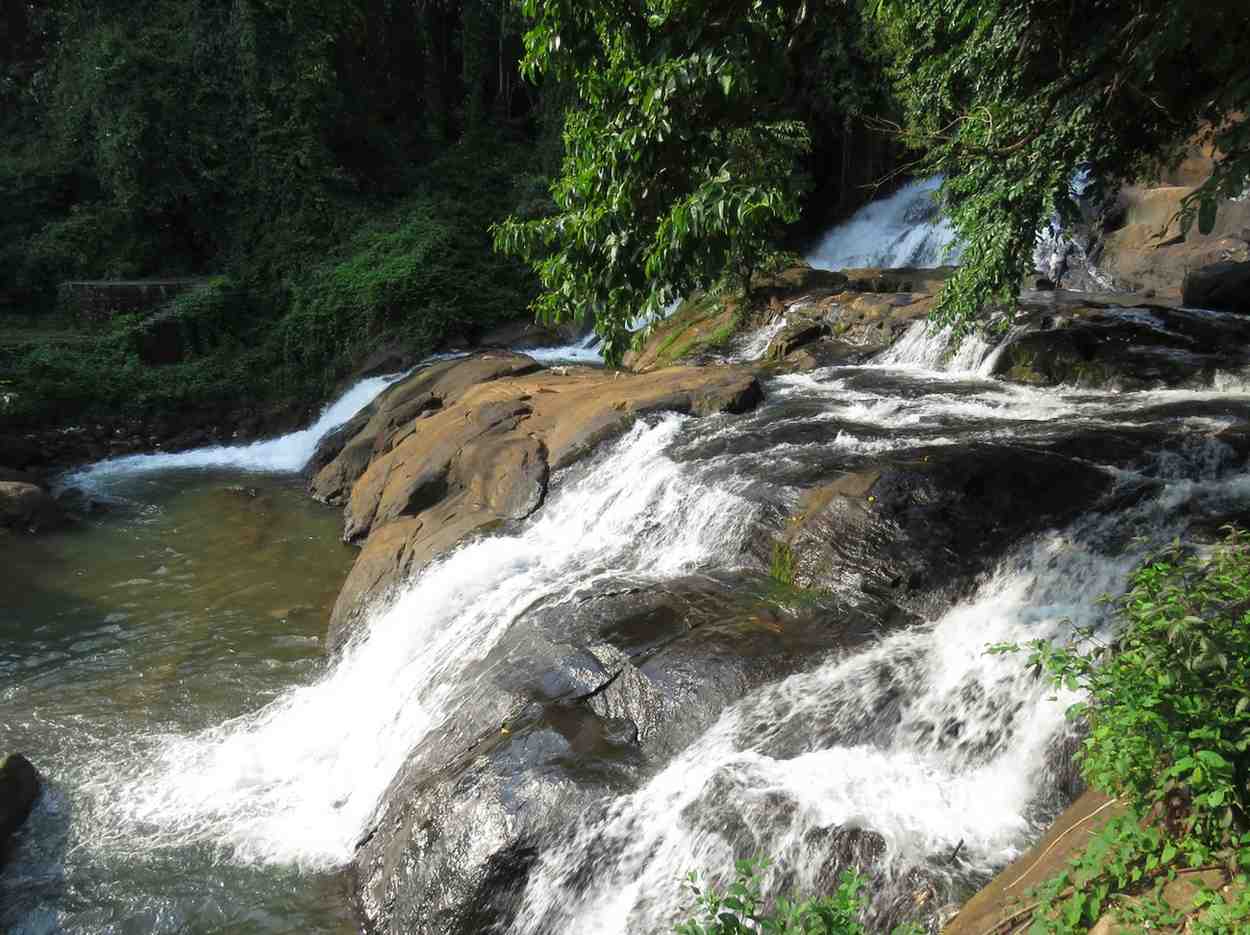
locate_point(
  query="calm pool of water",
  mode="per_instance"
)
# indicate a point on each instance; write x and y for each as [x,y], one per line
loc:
[196,598]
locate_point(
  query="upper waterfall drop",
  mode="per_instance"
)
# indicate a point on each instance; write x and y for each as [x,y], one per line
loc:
[905,229]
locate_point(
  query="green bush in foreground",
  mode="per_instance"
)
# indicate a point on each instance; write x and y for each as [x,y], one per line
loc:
[741,908]
[1168,708]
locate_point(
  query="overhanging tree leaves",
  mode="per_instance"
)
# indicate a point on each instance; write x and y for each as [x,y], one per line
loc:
[680,156]
[1009,99]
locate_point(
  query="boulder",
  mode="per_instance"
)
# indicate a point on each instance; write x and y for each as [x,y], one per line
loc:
[584,701]
[1090,343]
[1222,286]
[701,323]
[27,507]
[525,333]
[917,530]
[1144,247]
[797,333]
[19,789]
[466,445]
[926,280]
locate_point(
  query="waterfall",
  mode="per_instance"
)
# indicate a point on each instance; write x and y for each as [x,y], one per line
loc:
[903,229]
[291,452]
[923,740]
[752,346]
[287,453]
[298,781]
[586,351]
[929,348]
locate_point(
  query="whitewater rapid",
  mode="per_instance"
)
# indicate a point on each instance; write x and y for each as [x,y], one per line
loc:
[287,453]
[298,781]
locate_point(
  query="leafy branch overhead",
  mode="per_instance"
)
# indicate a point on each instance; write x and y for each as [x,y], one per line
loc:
[682,153]
[1009,100]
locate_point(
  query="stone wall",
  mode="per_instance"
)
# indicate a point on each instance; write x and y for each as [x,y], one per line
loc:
[95,302]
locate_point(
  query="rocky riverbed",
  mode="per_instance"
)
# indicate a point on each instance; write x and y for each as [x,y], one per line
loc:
[606,627]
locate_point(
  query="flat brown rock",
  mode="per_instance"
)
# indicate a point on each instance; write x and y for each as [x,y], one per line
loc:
[464,445]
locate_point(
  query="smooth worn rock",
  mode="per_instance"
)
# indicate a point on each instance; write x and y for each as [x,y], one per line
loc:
[1221,286]
[582,701]
[1081,342]
[701,323]
[917,530]
[27,507]
[19,789]
[465,445]
[796,334]
[1139,244]
[525,333]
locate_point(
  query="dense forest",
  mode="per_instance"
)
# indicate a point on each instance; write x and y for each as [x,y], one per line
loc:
[347,175]
[333,168]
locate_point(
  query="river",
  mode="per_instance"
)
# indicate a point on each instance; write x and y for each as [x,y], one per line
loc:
[210,770]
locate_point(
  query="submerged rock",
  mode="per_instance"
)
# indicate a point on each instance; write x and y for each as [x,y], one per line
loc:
[28,507]
[19,788]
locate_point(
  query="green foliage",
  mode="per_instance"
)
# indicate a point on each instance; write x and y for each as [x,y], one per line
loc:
[1008,100]
[742,908]
[417,275]
[674,172]
[1168,708]
[684,148]
[280,144]
[782,568]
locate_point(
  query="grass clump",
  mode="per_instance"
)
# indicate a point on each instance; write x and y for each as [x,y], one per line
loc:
[740,907]
[783,568]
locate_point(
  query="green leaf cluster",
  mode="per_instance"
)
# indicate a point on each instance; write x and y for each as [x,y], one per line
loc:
[1168,710]
[740,908]
[683,149]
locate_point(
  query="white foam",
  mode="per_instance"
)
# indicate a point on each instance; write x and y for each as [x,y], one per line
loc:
[285,454]
[904,229]
[586,351]
[298,781]
[927,741]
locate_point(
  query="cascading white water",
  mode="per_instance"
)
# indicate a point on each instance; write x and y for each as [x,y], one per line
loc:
[586,351]
[929,348]
[298,781]
[752,346]
[287,453]
[904,229]
[923,739]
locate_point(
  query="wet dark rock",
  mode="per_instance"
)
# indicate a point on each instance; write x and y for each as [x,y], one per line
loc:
[28,508]
[11,475]
[796,334]
[383,361]
[578,705]
[525,334]
[1223,286]
[1102,346]
[918,529]
[19,789]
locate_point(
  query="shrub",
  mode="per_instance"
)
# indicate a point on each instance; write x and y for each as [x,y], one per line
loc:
[741,908]
[1168,708]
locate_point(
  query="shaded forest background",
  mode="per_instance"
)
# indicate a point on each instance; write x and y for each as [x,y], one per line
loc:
[332,167]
